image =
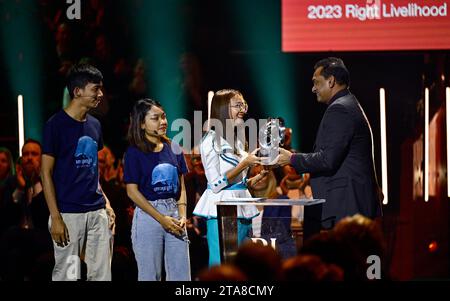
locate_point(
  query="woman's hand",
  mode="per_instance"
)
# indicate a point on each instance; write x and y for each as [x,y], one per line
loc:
[182,222]
[172,225]
[253,180]
[252,159]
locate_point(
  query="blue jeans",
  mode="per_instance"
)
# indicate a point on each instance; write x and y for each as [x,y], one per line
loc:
[152,244]
[212,236]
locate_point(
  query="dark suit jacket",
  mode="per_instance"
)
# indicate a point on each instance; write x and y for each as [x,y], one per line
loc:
[341,164]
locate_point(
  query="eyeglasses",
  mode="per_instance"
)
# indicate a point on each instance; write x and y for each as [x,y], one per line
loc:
[242,106]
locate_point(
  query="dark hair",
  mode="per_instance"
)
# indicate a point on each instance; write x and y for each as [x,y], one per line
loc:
[258,262]
[30,140]
[10,160]
[220,104]
[333,66]
[136,135]
[220,110]
[80,75]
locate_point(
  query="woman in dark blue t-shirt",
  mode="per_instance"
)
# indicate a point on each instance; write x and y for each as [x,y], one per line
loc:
[154,168]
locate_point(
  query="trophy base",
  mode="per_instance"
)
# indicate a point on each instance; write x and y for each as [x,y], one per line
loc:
[267,161]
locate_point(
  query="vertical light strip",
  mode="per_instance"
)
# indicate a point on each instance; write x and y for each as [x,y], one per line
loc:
[210,97]
[384,173]
[427,144]
[447,117]
[20,127]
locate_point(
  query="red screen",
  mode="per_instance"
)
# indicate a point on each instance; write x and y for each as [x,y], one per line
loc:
[338,25]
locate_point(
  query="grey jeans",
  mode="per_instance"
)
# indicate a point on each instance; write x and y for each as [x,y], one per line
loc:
[90,239]
[152,244]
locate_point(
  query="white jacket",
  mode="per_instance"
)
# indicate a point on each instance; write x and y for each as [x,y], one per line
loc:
[217,160]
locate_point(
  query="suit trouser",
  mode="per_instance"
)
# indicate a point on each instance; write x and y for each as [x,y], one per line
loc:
[314,221]
[89,237]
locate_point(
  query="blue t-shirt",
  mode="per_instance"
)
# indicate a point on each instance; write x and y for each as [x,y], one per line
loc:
[74,145]
[155,173]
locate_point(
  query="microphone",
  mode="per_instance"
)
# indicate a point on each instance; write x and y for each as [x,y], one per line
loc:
[155,134]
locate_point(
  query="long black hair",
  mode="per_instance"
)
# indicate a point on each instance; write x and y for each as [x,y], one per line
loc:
[136,135]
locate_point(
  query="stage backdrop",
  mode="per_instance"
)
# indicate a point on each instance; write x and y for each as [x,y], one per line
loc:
[371,25]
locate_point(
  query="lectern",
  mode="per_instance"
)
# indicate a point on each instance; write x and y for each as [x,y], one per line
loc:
[227,220]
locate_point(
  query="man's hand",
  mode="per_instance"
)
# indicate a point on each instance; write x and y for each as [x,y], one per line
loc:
[111,219]
[59,232]
[20,178]
[284,157]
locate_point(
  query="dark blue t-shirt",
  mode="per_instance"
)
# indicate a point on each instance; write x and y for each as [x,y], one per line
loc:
[155,173]
[74,145]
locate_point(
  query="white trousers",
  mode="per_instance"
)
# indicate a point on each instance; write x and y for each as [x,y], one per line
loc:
[90,240]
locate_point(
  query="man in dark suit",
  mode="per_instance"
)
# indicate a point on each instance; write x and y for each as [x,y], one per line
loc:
[341,164]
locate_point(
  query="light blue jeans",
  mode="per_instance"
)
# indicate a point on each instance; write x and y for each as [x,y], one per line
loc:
[152,244]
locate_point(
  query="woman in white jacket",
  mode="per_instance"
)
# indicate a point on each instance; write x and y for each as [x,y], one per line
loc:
[226,165]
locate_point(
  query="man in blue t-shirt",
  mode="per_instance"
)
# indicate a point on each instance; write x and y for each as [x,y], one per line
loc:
[81,218]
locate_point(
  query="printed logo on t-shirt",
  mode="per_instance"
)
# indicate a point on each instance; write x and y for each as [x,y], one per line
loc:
[165,178]
[86,153]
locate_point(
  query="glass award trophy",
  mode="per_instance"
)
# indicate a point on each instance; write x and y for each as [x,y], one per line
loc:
[271,135]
